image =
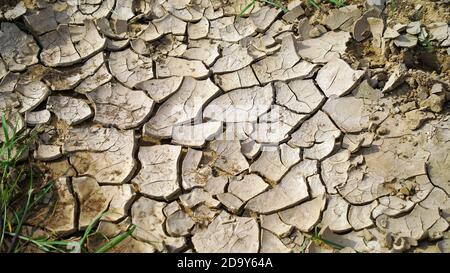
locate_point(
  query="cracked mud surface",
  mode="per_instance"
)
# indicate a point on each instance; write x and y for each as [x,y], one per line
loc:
[216,133]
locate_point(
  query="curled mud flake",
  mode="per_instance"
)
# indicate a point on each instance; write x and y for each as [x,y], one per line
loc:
[299,96]
[120,106]
[116,45]
[250,148]
[275,126]
[248,187]
[122,10]
[392,206]
[362,187]
[231,202]
[237,31]
[91,199]
[342,18]
[306,215]
[272,164]
[295,10]
[113,29]
[228,234]
[236,80]
[366,91]
[390,33]
[240,105]
[58,214]
[216,27]
[71,110]
[361,29]
[130,68]
[353,115]
[17,49]
[327,47]
[396,78]
[406,40]
[415,225]
[181,107]
[284,65]
[68,78]
[193,174]
[178,224]
[438,31]
[148,216]
[70,44]
[38,117]
[198,30]
[317,135]
[203,50]
[414,27]
[315,185]
[437,198]
[158,177]
[198,197]
[100,77]
[234,57]
[121,199]
[92,138]
[168,24]
[31,94]
[228,156]
[272,244]
[376,26]
[47,152]
[273,223]
[334,170]
[335,216]
[338,78]
[290,191]
[184,10]
[213,12]
[353,142]
[160,89]
[41,21]
[195,135]
[104,154]
[8,83]
[264,17]
[172,66]
[216,185]
[359,217]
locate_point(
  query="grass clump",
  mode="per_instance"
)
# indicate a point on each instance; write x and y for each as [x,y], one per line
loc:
[49,245]
[21,191]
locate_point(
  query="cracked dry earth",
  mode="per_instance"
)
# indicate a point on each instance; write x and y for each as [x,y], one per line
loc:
[214,133]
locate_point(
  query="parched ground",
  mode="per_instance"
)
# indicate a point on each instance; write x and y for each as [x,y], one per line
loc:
[214,132]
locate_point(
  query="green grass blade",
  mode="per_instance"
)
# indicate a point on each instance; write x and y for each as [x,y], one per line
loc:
[88,230]
[277,5]
[314,4]
[5,129]
[247,8]
[116,240]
